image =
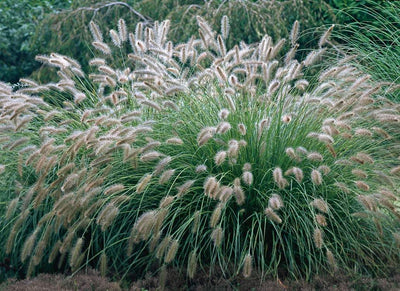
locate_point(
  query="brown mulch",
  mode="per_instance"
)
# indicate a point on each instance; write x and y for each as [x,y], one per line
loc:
[91,280]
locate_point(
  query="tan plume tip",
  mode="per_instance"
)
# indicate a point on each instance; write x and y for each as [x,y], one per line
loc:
[166,176]
[320,204]
[11,208]
[75,254]
[184,188]
[141,185]
[220,157]
[217,235]
[225,193]
[201,168]
[247,266]
[275,202]
[114,189]
[291,153]
[277,174]
[29,244]
[325,138]
[324,38]
[205,135]
[294,33]
[247,178]
[247,167]
[362,185]
[223,114]
[196,221]
[314,156]
[331,260]
[270,213]
[122,30]
[321,220]
[172,250]
[174,140]
[103,47]
[318,241]
[103,264]
[233,149]
[298,174]
[216,215]
[316,177]
[95,30]
[239,194]
[192,264]
[223,127]
[225,27]
[211,187]
[242,128]
[166,201]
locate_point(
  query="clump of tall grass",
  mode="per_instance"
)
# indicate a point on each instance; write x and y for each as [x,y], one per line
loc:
[203,158]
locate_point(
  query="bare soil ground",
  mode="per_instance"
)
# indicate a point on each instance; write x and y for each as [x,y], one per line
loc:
[91,280]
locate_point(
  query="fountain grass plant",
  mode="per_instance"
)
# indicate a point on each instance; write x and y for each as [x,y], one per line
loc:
[200,158]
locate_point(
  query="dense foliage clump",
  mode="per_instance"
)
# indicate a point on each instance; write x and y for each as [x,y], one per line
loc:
[201,156]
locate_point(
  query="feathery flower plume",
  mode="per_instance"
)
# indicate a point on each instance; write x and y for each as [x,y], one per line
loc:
[166,176]
[29,244]
[314,156]
[316,177]
[167,200]
[220,157]
[192,264]
[223,114]
[96,33]
[242,128]
[362,185]
[183,189]
[172,250]
[275,202]
[205,135]
[114,189]
[150,156]
[247,266]
[161,165]
[162,247]
[321,220]
[331,260]
[247,178]
[270,213]
[318,241]
[75,254]
[294,33]
[320,204]
[325,36]
[298,174]
[201,168]
[122,30]
[141,185]
[225,27]
[223,127]
[174,140]
[103,47]
[217,235]
[278,178]
[359,173]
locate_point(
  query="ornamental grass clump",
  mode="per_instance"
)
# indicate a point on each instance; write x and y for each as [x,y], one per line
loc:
[200,158]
